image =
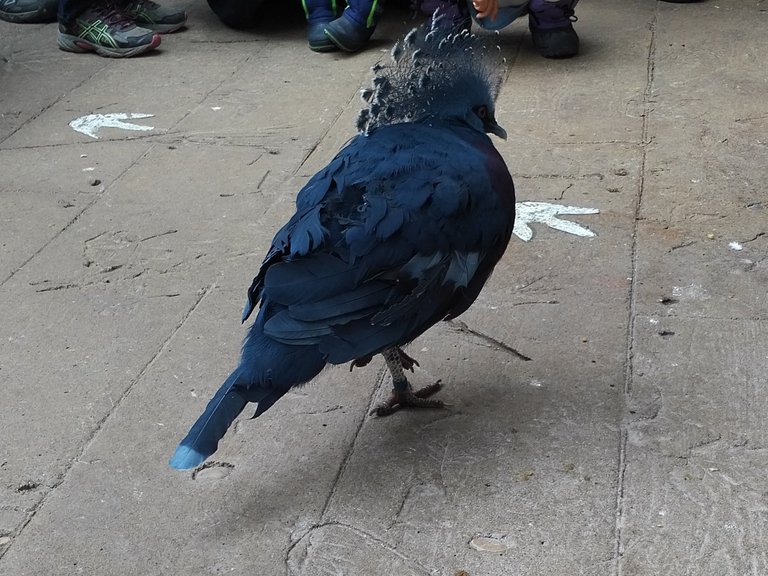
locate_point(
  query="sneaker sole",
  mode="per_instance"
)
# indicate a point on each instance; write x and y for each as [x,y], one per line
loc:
[161,28]
[79,45]
[340,45]
[323,46]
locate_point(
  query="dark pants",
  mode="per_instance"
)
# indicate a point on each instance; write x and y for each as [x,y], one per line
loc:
[71,9]
[245,13]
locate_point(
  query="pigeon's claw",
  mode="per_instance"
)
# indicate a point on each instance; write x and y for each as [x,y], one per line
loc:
[410,399]
[360,362]
[406,361]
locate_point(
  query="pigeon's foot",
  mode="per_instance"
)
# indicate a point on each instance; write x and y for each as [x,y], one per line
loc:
[402,394]
[410,399]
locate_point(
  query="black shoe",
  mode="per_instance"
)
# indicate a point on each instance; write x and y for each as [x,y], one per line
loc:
[551,25]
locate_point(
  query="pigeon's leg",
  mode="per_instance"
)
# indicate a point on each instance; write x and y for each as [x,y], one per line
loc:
[402,393]
[405,361]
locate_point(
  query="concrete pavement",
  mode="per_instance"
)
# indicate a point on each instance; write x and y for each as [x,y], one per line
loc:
[633,443]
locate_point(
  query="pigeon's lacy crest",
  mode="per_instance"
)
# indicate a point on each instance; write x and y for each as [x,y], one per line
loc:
[430,67]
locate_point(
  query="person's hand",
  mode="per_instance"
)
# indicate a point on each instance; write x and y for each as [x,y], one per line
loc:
[486,8]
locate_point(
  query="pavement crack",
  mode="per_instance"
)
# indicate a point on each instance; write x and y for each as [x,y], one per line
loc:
[596,175]
[322,137]
[323,411]
[92,238]
[682,245]
[704,442]
[619,525]
[632,297]
[381,377]
[400,508]
[462,328]
[751,118]
[58,287]
[755,237]
[261,181]
[360,533]
[560,197]
[166,233]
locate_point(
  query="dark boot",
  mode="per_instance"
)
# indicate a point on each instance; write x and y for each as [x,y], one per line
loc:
[551,24]
[352,30]
[319,14]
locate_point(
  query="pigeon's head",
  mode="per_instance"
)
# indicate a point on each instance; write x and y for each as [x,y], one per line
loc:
[435,75]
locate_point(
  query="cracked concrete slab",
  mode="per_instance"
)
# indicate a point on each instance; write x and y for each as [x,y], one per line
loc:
[241,513]
[606,393]
[34,211]
[495,462]
[25,63]
[173,94]
[694,494]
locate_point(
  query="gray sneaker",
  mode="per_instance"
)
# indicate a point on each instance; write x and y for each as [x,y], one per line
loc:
[108,32]
[152,16]
[28,11]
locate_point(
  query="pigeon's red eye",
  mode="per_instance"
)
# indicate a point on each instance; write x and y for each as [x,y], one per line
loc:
[482,112]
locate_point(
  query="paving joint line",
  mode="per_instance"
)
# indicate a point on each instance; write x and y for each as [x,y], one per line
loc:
[631,308]
[51,105]
[331,126]
[100,424]
[75,218]
[381,377]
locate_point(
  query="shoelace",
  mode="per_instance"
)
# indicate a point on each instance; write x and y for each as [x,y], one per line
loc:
[146,4]
[113,16]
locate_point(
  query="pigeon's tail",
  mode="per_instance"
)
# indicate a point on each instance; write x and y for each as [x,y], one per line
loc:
[203,438]
[267,370]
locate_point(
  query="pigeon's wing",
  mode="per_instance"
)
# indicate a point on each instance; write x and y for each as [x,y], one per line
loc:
[401,230]
[303,232]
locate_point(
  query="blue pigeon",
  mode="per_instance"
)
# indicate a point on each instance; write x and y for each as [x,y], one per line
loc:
[399,231]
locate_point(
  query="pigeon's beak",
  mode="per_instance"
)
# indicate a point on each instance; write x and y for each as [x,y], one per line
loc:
[494,128]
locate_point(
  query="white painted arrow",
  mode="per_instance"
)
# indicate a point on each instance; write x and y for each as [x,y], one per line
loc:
[546,213]
[91,123]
